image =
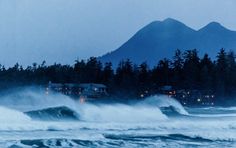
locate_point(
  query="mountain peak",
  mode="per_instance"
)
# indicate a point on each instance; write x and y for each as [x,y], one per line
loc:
[159,39]
[168,25]
[170,20]
[213,26]
[175,24]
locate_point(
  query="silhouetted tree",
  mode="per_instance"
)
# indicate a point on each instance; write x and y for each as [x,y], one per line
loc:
[177,66]
[206,73]
[230,73]
[191,69]
[107,74]
[185,71]
[221,72]
[143,77]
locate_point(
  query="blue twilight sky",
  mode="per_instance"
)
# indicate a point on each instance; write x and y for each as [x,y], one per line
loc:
[64,30]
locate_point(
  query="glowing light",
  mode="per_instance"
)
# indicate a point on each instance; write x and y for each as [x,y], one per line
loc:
[82,100]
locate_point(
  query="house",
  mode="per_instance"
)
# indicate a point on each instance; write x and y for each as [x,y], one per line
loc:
[92,90]
[167,90]
[84,90]
[195,97]
[189,96]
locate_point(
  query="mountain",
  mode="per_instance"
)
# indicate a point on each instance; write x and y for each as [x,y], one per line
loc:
[160,39]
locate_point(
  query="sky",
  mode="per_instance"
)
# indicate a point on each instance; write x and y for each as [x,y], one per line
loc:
[65,30]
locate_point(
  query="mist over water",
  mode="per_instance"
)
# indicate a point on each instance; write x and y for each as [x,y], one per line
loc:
[30,117]
[120,113]
[9,115]
[164,101]
[35,98]
[146,110]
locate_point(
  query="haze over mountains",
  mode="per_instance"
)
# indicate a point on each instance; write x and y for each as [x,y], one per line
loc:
[160,39]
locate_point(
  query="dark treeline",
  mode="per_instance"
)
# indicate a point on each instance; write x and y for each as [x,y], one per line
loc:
[186,70]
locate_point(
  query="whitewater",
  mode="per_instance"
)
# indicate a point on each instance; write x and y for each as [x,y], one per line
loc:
[33,119]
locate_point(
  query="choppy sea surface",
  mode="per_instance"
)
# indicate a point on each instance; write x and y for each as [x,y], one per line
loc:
[30,119]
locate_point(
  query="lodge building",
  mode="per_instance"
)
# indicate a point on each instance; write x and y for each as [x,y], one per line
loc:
[186,97]
[85,90]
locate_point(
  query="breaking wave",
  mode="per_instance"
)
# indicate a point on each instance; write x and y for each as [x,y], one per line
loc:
[155,121]
[12,116]
[54,113]
[123,140]
[151,109]
[65,109]
[120,113]
[165,102]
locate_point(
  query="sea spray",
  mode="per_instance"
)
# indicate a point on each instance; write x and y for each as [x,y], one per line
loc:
[164,101]
[147,110]
[120,113]
[35,98]
[12,116]
[109,125]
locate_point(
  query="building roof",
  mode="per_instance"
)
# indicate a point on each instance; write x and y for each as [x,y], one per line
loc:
[86,85]
[55,84]
[82,85]
[166,88]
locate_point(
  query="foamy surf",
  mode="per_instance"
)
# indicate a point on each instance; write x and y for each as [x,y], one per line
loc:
[12,116]
[69,124]
[120,113]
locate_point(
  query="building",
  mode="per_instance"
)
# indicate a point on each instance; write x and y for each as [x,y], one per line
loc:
[83,90]
[195,97]
[189,97]
[168,90]
[92,90]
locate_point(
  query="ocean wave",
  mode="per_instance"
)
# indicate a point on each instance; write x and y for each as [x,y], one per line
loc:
[54,113]
[11,115]
[157,137]
[165,102]
[147,120]
[120,113]
[123,140]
